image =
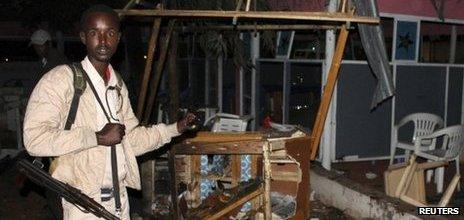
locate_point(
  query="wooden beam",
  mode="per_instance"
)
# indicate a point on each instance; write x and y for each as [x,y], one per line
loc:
[241,147]
[222,209]
[147,72]
[251,27]
[159,72]
[215,137]
[328,91]
[270,15]
[449,191]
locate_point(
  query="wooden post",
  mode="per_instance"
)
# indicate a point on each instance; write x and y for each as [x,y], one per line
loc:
[159,72]
[267,181]
[147,72]
[328,91]
[148,168]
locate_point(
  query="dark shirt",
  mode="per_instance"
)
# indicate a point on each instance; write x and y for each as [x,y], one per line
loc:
[54,58]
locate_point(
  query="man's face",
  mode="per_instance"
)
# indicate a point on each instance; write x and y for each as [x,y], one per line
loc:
[101,36]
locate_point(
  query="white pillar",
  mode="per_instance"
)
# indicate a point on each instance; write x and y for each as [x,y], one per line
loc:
[327,144]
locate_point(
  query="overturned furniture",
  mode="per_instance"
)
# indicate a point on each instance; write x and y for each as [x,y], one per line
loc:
[269,151]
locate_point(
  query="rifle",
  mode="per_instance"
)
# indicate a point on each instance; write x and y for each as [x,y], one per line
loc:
[71,194]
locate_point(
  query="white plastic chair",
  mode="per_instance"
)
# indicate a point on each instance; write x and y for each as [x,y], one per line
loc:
[450,149]
[424,124]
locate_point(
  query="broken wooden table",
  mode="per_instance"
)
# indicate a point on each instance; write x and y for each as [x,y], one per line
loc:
[248,143]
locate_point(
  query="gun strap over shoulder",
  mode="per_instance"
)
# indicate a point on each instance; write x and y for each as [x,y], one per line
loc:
[79,84]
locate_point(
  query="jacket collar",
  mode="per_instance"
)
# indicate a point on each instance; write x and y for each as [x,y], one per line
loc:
[95,76]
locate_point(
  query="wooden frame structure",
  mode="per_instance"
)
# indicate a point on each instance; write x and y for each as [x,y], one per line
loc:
[341,20]
[262,144]
[253,147]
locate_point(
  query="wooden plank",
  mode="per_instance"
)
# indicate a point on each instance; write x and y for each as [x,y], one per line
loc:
[216,214]
[146,73]
[242,147]
[159,72]
[417,189]
[404,178]
[267,181]
[268,15]
[248,27]
[225,136]
[449,191]
[429,165]
[237,8]
[328,91]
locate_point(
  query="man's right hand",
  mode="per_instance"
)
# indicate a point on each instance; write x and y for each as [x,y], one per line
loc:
[111,134]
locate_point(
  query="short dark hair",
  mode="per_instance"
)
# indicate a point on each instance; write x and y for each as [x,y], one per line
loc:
[97,9]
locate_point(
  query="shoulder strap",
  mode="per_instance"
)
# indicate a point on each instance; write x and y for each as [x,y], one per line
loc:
[114,160]
[79,88]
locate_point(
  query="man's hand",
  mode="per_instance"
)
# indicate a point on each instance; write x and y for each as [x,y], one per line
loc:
[111,134]
[184,123]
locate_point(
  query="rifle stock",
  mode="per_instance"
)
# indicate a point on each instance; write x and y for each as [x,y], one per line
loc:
[71,194]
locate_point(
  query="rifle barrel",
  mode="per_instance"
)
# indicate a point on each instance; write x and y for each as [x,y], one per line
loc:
[71,194]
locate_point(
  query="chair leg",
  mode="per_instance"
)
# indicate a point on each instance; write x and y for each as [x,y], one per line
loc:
[439,176]
[392,154]
[458,172]
[406,155]
[430,173]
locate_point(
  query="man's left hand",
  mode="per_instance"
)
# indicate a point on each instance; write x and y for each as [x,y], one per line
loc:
[185,122]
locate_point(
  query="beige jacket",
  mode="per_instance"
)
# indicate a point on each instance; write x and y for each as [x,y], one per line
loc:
[80,161]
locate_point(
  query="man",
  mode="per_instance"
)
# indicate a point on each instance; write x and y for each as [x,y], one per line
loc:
[83,157]
[49,56]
